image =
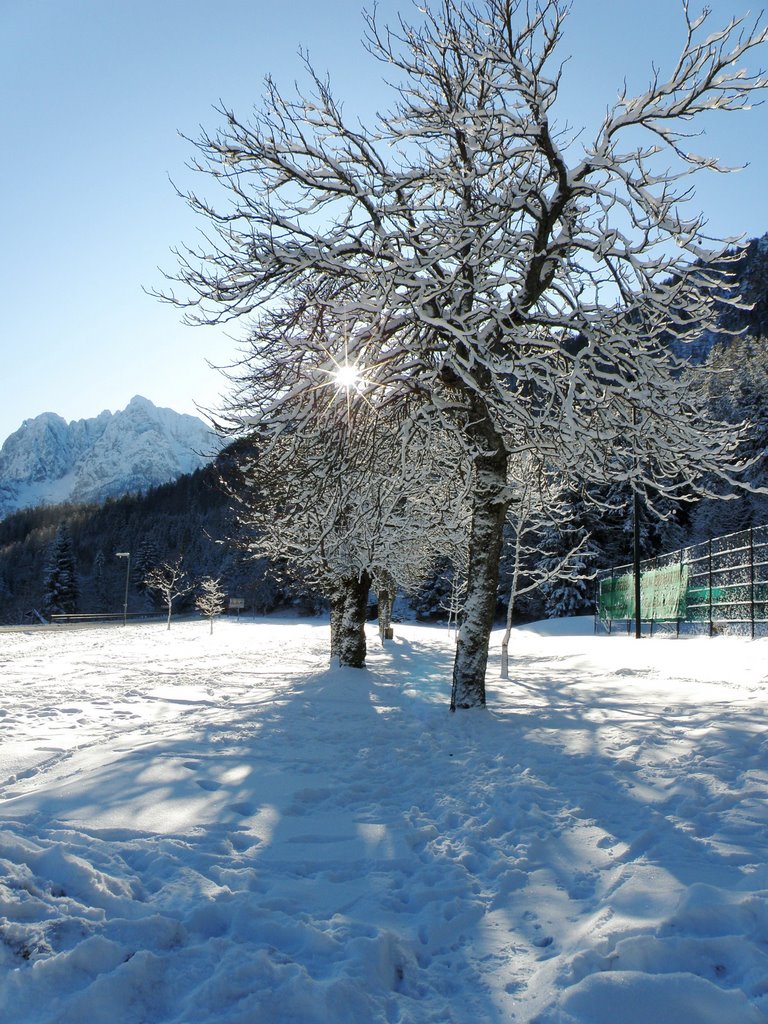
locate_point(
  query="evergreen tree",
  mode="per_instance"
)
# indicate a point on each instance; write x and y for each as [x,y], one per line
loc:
[147,558]
[738,392]
[60,593]
[99,582]
[434,598]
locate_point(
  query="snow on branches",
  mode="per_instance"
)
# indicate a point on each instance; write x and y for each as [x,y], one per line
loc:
[352,510]
[170,580]
[480,261]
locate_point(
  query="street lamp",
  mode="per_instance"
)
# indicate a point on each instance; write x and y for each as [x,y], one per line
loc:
[127,555]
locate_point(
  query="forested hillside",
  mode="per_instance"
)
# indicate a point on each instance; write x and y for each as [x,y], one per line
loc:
[192,517]
[189,517]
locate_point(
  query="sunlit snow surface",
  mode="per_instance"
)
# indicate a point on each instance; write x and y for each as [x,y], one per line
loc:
[218,829]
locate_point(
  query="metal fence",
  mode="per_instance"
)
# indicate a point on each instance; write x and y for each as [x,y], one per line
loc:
[719,586]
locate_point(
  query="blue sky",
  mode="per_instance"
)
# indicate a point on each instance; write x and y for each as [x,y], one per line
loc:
[95,94]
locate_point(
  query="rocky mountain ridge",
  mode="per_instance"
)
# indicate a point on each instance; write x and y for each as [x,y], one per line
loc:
[48,460]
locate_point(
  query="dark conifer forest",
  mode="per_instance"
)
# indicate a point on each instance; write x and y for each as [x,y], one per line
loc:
[189,518]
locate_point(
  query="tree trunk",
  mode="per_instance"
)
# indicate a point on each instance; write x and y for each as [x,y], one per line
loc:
[505,641]
[384,598]
[348,605]
[507,636]
[486,537]
[337,612]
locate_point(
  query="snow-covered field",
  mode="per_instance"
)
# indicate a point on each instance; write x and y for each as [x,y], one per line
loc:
[218,830]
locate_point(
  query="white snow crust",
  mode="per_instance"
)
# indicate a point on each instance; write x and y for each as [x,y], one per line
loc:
[218,829]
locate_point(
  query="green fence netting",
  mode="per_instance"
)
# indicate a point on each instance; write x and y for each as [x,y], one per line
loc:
[663,595]
[722,583]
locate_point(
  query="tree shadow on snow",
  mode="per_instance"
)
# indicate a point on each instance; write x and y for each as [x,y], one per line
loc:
[401,860]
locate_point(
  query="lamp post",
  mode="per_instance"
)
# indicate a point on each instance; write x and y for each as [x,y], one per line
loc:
[126,555]
[636,545]
[636,563]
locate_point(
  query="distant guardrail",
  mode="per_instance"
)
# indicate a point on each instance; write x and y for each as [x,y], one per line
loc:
[74,617]
[718,586]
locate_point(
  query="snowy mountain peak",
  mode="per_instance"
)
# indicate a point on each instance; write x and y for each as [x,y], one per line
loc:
[48,460]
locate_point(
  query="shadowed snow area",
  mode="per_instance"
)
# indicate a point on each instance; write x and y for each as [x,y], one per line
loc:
[217,829]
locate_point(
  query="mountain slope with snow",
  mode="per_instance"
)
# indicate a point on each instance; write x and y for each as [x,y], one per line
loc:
[48,460]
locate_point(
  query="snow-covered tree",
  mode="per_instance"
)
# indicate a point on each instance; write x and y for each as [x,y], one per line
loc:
[567,565]
[170,580]
[738,390]
[210,600]
[441,593]
[352,506]
[60,590]
[477,256]
[147,558]
[99,582]
[539,510]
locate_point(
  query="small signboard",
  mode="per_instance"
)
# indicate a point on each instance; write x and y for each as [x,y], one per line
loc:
[236,603]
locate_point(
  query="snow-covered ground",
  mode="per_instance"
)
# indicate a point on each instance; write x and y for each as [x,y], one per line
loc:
[218,830]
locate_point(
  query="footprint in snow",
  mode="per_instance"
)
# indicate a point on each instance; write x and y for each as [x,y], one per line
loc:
[309,839]
[242,808]
[242,842]
[540,939]
[607,842]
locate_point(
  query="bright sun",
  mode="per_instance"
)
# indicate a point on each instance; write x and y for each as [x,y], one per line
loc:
[347,376]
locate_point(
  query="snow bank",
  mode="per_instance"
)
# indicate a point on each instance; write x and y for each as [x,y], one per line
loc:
[199,829]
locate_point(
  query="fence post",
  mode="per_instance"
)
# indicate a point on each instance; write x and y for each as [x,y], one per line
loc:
[679,594]
[710,587]
[613,606]
[751,584]
[598,589]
